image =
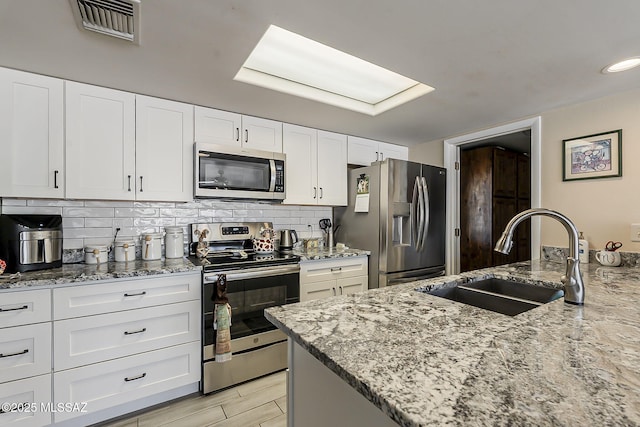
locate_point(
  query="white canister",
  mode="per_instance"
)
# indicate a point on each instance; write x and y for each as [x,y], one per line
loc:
[173,242]
[96,254]
[125,250]
[151,246]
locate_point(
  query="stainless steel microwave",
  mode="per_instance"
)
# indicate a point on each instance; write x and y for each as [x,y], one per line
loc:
[229,172]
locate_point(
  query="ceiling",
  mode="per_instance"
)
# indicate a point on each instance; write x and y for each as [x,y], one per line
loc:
[490,62]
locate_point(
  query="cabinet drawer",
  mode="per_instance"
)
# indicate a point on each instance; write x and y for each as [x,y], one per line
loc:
[317,290]
[108,297]
[25,351]
[315,271]
[108,336]
[25,307]
[32,393]
[119,381]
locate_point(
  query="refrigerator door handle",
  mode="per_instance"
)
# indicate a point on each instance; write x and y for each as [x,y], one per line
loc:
[425,201]
[413,213]
[421,216]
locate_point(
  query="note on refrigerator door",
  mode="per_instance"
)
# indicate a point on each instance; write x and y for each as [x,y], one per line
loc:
[362,194]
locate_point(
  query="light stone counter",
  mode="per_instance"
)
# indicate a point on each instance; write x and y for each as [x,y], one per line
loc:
[425,360]
[328,253]
[76,273]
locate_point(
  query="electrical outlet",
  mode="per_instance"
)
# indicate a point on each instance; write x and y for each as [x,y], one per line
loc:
[635,232]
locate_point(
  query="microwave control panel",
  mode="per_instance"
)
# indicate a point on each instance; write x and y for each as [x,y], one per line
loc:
[279,187]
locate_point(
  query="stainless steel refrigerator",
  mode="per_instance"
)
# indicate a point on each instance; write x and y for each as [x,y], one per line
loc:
[404,222]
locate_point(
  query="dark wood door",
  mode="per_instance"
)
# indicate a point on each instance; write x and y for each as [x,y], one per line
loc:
[505,176]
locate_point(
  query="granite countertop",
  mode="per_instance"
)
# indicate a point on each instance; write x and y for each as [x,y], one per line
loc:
[74,273]
[328,253]
[425,360]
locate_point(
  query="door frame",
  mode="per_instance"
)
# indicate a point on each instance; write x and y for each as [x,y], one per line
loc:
[452,155]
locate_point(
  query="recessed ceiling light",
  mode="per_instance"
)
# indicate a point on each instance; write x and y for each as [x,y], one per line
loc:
[625,65]
[290,63]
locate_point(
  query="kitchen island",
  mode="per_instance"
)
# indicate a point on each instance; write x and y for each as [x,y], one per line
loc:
[420,360]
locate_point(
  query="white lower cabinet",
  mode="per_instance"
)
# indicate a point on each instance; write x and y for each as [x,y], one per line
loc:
[25,351]
[25,307]
[332,277]
[115,382]
[26,403]
[109,336]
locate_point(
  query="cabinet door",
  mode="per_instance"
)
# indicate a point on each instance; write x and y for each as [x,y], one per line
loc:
[34,391]
[100,143]
[332,169]
[261,134]
[524,177]
[503,210]
[25,350]
[505,173]
[392,151]
[300,146]
[164,150]
[217,127]
[352,285]
[31,135]
[317,290]
[361,151]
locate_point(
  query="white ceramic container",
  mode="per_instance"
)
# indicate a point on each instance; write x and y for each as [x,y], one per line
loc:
[151,246]
[124,250]
[96,254]
[173,242]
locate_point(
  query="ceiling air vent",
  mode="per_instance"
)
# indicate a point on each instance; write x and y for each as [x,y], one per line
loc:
[117,18]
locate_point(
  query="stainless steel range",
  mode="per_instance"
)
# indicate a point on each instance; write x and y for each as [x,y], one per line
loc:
[254,282]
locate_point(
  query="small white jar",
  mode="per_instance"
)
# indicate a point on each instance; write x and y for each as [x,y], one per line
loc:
[151,246]
[125,250]
[173,242]
[96,254]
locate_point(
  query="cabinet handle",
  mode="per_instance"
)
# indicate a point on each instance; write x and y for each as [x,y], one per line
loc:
[336,268]
[340,289]
[334,291]
[377,156]
[25,351]
[381,155]
[321,193]
[246,135]
[315,192]
[55,179]
[24,307]
[141,190]
[237,134]
[129,183]
[135,332]
[136,378]
[136,295]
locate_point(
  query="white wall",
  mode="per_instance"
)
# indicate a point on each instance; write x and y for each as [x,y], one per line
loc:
[95,222]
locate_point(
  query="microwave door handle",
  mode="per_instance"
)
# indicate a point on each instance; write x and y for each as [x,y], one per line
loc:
[272,184]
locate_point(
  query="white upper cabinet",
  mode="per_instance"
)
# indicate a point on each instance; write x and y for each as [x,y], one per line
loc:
[31,135]
[364,151]
[164,150]
[316,166]
[223,127]
[332,168]
[100,143]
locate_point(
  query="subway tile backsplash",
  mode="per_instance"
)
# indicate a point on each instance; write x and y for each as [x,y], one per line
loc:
[95,222]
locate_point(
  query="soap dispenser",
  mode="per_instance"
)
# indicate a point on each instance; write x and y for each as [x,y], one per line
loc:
[583,249]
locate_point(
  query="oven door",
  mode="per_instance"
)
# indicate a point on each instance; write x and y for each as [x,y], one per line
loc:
[230,172]
[250,291]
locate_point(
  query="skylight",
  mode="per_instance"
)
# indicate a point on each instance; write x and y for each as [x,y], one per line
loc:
[290,63]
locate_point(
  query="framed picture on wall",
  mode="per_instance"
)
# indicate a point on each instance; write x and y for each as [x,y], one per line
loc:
[592,156]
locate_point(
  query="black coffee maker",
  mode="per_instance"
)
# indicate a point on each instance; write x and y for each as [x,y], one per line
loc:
[31,242]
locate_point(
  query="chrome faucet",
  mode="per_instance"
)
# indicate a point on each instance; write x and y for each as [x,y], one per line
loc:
[572,279]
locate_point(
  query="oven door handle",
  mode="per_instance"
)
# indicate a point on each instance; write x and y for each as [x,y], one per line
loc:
[253,273]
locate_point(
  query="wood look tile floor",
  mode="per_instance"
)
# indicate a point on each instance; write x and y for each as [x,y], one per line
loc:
[257,403]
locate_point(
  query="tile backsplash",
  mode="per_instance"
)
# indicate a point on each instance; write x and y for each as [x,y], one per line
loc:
[95,222]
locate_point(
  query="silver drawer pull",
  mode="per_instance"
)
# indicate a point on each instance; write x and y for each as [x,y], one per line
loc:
[24,307]
[14,407]
[135,332]
[336,268]
[135,378]
[25,351]
[136,295]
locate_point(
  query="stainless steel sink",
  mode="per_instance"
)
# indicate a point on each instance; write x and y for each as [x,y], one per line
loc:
[498,295]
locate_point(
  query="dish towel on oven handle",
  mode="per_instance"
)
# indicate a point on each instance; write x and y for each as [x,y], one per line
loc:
[222,320]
